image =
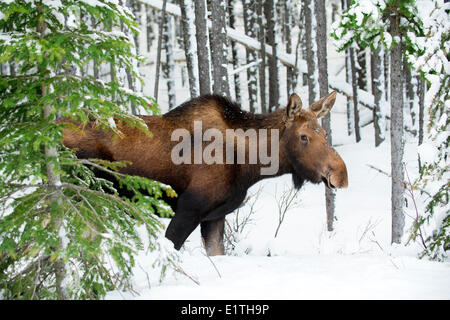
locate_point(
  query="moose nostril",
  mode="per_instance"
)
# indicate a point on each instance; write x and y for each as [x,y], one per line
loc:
[336,178]
[326,178]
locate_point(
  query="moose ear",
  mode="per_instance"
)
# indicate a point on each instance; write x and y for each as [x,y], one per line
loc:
[321,107]
[293,107]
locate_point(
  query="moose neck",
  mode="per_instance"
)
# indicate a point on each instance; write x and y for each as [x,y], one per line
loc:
[270,165]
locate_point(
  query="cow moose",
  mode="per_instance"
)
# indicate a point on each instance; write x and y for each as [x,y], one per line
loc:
[207,192]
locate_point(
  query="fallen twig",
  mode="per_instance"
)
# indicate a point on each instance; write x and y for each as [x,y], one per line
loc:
[180,270]
[214,265]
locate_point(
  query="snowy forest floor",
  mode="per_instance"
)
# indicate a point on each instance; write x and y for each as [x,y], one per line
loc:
[355,261]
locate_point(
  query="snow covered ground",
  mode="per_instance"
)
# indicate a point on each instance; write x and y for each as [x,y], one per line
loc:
[355,261]
[323,276]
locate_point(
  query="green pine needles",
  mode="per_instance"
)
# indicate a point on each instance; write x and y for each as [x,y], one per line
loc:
[367,24]
[64,233]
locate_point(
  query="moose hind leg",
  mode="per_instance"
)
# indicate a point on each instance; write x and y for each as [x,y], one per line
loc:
[212,235]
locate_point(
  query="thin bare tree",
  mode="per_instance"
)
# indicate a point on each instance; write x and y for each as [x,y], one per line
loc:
[219,47]
[397,147]
[321,39]
[158,54]
[201,32]
[190,45]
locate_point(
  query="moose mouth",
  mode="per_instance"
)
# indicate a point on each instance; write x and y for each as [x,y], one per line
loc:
[327,182]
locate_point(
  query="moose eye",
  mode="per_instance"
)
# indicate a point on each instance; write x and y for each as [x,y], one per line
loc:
[304,138]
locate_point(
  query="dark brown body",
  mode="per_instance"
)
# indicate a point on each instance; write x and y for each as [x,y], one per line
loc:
[206,193]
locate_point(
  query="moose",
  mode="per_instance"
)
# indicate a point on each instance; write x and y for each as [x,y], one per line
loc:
[207,192]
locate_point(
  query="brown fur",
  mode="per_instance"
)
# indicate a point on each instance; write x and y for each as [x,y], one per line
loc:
[208,192]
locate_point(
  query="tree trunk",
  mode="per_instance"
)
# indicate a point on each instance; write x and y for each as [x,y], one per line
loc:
[348,79]
[169,66]
[219,47]
[310,35]
[410,94]
[131,87]
[303,45]
[234,54]
[321,39]
[377,70]
[54,180]
[262,66]
[290,83]
[387,76]
[274,92]
[190,46]
[201,32]
[251,30]
[421,94]
[334,12]
[158,54]
[298,78]
[361,68]
[350,108]
[355,94]
[397,197]
[12,68]
[354,81]
[149,30]
[135,7]
[298,56]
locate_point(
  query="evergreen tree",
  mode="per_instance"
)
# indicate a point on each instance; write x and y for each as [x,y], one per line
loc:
[64,233]
[422,37]
[368,24]
[429,57]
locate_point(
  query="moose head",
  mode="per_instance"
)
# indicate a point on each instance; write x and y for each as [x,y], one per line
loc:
[305,144]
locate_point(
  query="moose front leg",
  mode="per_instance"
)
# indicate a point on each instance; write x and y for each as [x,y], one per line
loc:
[190,209]
[212,236]
[180,227]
